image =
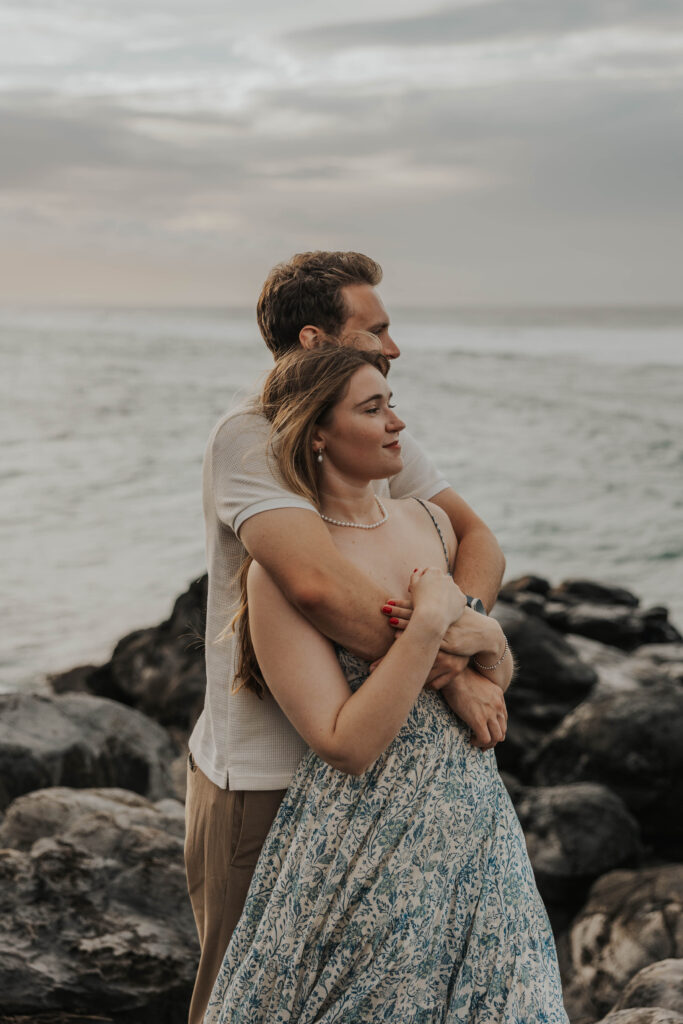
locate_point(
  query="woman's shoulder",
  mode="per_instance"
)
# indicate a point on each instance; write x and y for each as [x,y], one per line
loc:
[417,511]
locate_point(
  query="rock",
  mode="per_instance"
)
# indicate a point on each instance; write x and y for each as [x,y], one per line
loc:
[632,919]
[79,740]
[630,742]
[160,670]
[659,984]
[93,900]
[524,585]
[616,670]
[56,1018]
[577,590]
[575,833]
[648,1015]
[616,624]
[550,680]
[655,663]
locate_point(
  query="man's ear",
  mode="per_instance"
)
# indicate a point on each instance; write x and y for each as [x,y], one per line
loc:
[310,336]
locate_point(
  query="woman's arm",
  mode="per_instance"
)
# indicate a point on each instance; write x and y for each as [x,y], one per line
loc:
[348,730]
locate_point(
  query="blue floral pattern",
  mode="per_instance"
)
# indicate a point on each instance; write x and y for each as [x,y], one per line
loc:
[402,895]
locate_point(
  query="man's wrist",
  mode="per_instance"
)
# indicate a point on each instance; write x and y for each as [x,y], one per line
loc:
[476,604]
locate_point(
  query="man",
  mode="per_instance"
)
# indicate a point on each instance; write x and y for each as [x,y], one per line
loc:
[243,751]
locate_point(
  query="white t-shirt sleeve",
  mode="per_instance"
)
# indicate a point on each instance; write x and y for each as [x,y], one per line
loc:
[419,477]
[245,478]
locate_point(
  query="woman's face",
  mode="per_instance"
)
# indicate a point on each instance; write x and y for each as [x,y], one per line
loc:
[361,438]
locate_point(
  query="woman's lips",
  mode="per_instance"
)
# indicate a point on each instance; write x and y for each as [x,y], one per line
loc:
[395,446]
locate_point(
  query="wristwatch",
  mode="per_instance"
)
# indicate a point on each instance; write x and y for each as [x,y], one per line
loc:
[476,604]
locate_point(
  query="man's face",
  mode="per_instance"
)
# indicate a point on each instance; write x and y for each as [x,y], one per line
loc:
[367,313]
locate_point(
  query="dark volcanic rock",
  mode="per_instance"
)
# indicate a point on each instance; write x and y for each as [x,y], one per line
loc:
[93,900]
[79,740]
[630,742]
[524,585]
[659,984]
[574,834]
[632,919]
[159,670]
[647,1015]
[617,625]
[550,680]
[574,591]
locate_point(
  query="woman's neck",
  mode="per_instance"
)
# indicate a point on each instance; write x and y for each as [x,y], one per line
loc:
[348,502]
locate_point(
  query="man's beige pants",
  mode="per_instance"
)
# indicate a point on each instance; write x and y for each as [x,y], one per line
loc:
[224,832]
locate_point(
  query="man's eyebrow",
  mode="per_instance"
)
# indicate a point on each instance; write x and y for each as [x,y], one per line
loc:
[374,398]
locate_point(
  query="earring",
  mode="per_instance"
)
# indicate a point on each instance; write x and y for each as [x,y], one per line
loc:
[319,455]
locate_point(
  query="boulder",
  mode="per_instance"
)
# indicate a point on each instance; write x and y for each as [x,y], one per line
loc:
[550,680]
[656,663]
[578,590]
[615,624]
[616,670]
[631,919]
[659,984]
[647,1015]
[160,670]
[524,585]
[93,900]
[575,833]
[78,740]
[630,742]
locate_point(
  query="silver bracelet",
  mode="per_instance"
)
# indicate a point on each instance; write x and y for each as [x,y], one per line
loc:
[488,668]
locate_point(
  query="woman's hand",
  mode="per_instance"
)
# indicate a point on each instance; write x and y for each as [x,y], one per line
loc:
[436,598]
[472,634]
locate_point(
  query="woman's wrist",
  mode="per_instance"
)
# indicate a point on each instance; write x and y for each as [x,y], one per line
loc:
[429,623]
[488,660]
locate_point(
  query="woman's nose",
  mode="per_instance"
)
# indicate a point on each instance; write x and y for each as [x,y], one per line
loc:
[395,425]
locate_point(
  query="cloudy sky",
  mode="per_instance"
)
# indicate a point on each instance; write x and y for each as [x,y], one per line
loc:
[485,151]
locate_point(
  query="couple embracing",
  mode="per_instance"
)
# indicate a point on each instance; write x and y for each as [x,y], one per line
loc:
[352,855]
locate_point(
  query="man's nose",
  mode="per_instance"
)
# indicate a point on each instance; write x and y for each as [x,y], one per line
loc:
[389,347]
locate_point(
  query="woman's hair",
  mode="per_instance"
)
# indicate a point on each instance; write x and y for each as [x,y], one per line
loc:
[299,395]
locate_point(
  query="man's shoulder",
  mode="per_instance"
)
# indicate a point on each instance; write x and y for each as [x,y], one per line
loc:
[244,418]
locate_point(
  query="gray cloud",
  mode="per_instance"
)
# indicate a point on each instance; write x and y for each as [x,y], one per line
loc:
[563,188]
[490,20]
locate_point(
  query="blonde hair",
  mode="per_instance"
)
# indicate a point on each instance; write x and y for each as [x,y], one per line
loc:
[298,396]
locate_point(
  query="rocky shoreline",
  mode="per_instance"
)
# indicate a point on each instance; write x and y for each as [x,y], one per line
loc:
[97,925]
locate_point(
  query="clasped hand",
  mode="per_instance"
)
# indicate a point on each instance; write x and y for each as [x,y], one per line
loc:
[475,699]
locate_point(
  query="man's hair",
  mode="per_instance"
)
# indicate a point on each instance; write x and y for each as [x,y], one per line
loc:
[307,290]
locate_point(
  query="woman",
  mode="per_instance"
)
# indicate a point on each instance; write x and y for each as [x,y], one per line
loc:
[394,884]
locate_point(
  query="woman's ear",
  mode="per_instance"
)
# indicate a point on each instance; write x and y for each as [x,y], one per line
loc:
[318,437]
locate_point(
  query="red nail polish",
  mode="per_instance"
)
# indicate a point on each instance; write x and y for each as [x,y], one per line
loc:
[391,602]
[386,609]
[393,622]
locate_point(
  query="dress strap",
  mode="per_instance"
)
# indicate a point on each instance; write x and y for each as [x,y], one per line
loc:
[438,530]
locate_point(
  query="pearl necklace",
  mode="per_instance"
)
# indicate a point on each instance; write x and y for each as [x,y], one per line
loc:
[360,526]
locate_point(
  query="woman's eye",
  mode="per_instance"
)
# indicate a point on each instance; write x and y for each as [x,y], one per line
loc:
[391,405]
[372,410]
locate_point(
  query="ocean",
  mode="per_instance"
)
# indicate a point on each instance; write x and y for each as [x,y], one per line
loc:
[563,430]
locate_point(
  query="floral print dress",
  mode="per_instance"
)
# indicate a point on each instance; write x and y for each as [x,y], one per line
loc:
[402,895]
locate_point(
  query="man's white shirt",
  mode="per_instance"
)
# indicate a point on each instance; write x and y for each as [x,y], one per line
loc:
[239,740]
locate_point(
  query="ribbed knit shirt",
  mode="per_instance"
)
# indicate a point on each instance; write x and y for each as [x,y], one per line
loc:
[239,740]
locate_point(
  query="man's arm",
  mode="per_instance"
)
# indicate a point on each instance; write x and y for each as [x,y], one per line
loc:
[296,549]
[479,561]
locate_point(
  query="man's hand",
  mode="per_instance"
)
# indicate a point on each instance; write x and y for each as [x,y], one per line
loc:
[479,703]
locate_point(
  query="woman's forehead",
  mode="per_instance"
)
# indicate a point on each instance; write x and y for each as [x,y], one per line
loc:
[367,378]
